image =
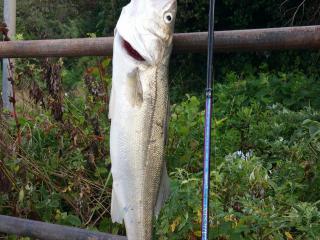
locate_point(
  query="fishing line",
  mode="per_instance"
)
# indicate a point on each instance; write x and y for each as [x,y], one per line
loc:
[207,132]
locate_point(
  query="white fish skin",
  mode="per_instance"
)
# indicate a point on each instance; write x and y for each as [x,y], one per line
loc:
[138,111]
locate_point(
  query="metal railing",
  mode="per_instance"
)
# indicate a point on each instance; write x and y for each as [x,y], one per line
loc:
[48,231]
[225,41]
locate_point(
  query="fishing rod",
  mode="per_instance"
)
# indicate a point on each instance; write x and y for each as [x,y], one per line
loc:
[207,132]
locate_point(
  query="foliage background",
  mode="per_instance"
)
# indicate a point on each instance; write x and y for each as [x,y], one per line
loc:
[55,165]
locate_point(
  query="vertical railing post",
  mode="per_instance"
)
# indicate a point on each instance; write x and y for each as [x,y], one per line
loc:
[9,13]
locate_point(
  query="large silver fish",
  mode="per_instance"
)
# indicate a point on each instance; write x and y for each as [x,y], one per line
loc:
[138,111]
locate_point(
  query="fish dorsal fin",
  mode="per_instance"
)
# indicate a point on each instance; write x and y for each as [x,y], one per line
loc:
[164,190]
[166,123]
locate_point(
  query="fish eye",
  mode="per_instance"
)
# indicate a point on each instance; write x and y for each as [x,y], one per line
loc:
[168,17]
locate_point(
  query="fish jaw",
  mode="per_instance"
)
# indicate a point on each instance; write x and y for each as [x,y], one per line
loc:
[131,51]
[144,25]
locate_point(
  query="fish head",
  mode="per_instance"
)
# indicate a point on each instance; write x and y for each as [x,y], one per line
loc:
[146,29]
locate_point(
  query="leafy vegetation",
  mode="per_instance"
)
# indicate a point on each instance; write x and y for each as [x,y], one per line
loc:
[265,175]
[55,164]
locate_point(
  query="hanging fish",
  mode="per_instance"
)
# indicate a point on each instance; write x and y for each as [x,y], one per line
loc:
[138,111]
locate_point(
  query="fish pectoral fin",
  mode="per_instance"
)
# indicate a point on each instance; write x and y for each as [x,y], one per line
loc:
[135,89]
[164,191]
[117,213]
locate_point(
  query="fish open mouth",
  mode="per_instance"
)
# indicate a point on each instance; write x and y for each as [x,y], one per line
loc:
[131,51]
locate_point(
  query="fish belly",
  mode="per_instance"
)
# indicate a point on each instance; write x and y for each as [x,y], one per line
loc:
[138,110]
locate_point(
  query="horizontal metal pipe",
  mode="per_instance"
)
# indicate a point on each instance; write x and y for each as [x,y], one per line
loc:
[252,40]
[225,41]
[47,231]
